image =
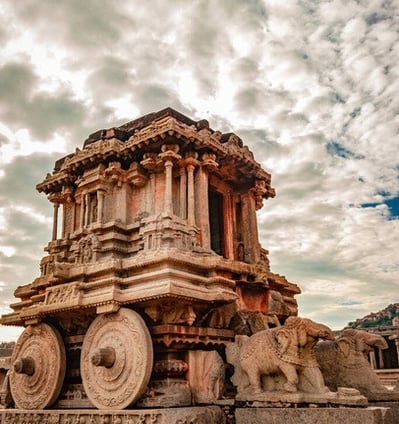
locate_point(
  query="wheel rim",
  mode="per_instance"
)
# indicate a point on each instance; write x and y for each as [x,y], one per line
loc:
[116,359]
[38,367]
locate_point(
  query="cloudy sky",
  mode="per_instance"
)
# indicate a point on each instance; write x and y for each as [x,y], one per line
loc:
[311,86]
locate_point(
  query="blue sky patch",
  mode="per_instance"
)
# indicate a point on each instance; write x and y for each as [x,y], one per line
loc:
[337,149]
[393,205]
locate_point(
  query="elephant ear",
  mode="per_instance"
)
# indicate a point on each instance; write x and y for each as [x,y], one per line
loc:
[283,339]
[345,346]
[302,334]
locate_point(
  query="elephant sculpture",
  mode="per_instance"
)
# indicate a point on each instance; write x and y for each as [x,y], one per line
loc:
[279,359]
[344,363]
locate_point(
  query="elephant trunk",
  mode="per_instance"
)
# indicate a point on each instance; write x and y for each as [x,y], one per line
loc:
[377,341]
[326,333]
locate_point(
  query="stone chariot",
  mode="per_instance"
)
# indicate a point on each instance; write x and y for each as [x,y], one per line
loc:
[153,267]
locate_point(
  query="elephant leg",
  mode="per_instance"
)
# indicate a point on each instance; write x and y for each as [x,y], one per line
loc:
[290,373]
[254,380]
[312,381]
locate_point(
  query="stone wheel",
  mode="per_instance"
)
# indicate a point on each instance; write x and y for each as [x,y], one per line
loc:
[116,359]
[38,367]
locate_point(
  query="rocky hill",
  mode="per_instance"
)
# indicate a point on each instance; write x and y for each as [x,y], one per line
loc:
[385,318]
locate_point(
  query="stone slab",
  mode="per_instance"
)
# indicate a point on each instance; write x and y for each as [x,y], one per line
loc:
[371,415]
[344,397]
[197,415]
[394,408]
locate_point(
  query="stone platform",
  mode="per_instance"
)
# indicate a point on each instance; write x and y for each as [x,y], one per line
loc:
[205,415]
[370,415]
[197,415]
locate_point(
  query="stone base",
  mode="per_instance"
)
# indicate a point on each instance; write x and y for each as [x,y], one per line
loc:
[371,415]
[344,397]
[394,408]
[197,415]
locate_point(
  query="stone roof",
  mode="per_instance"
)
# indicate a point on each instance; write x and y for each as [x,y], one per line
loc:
[144,134]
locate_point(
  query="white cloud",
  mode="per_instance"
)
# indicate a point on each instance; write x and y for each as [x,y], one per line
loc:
[311,87]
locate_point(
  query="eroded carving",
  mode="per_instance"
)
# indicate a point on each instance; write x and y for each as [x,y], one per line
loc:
[166,393]
[176,313]
[66,293]
[344,363]
[206,376]
[86,249]
[281,358]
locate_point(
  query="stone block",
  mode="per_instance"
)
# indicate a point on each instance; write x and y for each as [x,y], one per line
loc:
[394,406]
[197,415]
[371,415]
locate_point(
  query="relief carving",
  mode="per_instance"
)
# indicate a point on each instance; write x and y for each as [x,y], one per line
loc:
[86,250]
[65,293]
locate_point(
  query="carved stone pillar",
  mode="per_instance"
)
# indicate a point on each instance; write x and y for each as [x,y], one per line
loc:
[100,205]
[183,193]
[190,195]
[82,211]
[86,208]
[202,206]
[64,212]
[55,221]
[228,227]
[250,236]
[169,155]
[73,223]
[168,202]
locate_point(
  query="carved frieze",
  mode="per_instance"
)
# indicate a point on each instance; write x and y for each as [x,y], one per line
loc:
[62,294]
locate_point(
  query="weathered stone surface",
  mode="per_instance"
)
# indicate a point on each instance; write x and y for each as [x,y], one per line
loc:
[314,415]
[116,359]
[277,360]
[285,399]
[393,406]
[197,415]
[38,367]
[344,363]
[206,376]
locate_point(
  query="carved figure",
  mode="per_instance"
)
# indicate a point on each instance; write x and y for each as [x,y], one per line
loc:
[344,363]
[279,358]
[206,376]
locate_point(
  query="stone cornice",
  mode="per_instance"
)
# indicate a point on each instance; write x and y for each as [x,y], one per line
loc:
[104,149]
